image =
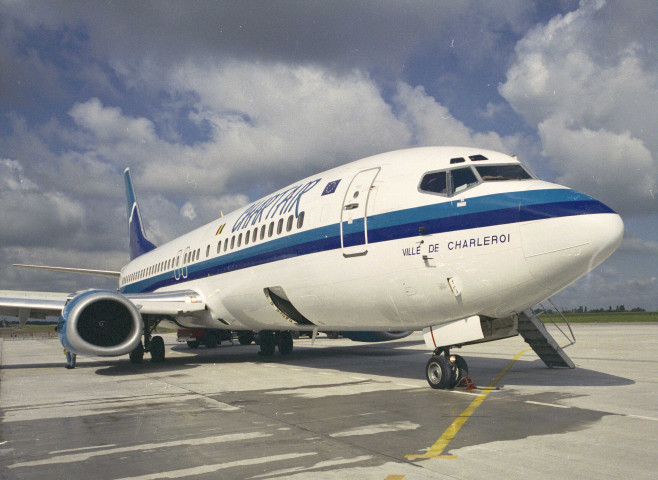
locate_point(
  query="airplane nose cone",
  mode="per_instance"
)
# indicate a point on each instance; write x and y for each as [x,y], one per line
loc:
[560,250]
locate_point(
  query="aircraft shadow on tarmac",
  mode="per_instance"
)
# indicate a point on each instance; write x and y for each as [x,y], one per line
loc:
[374,359]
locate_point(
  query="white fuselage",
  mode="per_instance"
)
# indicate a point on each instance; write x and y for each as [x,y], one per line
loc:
[374,250]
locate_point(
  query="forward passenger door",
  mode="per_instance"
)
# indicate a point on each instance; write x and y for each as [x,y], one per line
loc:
[353,217]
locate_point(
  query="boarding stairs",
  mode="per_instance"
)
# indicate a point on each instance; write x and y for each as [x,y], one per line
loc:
[534,332]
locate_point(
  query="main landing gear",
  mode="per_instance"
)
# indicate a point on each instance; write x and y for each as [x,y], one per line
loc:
[154,345]
[444,370]
[269,340]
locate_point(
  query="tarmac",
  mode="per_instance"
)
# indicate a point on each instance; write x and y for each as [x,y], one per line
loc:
[334,409]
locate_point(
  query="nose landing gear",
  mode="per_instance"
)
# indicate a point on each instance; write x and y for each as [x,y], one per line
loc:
[444,370]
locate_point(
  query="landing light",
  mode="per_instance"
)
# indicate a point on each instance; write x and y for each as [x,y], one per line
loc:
[190,299]
[453,359]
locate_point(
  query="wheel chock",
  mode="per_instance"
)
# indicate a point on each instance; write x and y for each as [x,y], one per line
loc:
[467,383]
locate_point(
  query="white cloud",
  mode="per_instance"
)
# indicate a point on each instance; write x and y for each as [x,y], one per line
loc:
[588,81]
[188,211]
[109,124]
[432,124]
[615,168]
[278,118]
[636,245]
[29,214]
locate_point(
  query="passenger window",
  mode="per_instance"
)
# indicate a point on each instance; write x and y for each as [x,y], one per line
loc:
[232,242]
[219,246]
[247,237]
[208,251]
[279,227]
[225,243]
[239,240]
[435,183]
[254,235]
[462,178]
[262,232]
[300,220]
[270,230]
[289,224]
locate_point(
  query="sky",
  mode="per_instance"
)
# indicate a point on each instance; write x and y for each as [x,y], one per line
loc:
[215,104]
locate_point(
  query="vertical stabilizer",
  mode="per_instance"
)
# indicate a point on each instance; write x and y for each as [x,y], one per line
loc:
[139,245]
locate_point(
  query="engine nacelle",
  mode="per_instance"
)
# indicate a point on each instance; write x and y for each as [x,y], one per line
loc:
[100,322]
[375,336]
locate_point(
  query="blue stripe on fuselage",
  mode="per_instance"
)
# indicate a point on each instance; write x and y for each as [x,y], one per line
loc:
[478,212]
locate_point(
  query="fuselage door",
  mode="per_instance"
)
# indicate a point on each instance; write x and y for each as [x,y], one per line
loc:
[186,260]
[177,265]
[353,216]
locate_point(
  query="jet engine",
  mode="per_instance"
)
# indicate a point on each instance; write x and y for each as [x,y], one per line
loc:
[374,336]
[100,322]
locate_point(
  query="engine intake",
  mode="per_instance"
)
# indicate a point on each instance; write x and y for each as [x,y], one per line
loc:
[100,322]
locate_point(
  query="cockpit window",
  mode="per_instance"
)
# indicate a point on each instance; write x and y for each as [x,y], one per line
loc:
[435,183]
[462,178]
[449,182]
[492,173]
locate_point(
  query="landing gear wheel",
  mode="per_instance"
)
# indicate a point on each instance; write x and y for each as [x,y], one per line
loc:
[267,342]
[245,338]
[438,372]
[284,342]
[157,349]
[193,343]
[137,355]
[459,370]
[210,341]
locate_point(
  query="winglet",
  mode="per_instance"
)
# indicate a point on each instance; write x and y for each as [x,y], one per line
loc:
[139,244]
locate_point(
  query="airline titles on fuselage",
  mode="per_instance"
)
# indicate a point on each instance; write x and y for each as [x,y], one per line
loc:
[278,204]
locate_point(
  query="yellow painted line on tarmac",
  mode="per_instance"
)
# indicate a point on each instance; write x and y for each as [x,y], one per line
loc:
[394,477]
[436,450]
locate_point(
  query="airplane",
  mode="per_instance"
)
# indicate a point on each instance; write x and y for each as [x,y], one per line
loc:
[458,242]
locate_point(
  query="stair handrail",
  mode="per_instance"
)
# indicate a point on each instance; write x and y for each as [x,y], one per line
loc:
[571,339]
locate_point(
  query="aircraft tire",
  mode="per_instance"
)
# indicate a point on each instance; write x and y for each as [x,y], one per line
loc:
[210,341]
[438,372]
[137,355]
[267,342]
[459,370]
[193,343]
[157,349]
[284,342]
[245,338]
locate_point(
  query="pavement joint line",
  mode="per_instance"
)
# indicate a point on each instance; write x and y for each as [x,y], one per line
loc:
[436,450]
[641,417]
[547,404]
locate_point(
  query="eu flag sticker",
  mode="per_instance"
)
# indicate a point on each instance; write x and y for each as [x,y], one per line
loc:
[331,187]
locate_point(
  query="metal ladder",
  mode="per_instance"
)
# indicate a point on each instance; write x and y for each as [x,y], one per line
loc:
[534,332]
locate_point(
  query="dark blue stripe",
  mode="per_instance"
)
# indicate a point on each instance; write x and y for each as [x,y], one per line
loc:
[487,211]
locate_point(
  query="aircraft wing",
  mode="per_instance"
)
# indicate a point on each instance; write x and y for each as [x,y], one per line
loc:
[79,271]
[39,305]
[24,305]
